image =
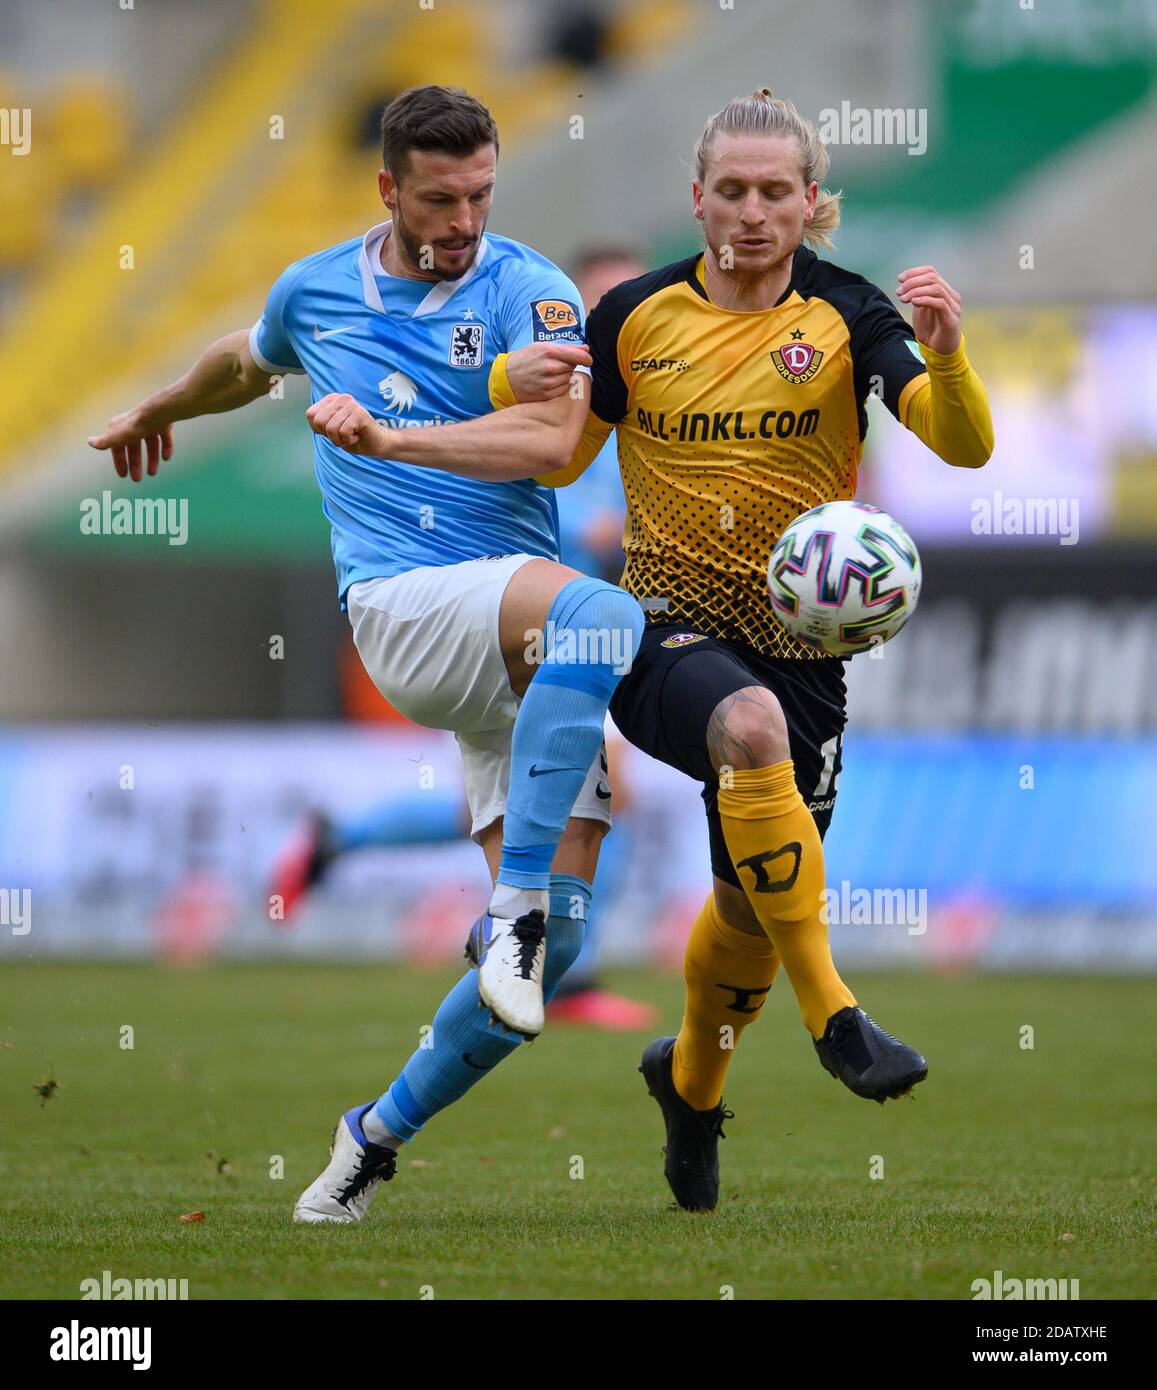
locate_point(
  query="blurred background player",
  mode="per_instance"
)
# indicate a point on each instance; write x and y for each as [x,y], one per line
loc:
[590,533]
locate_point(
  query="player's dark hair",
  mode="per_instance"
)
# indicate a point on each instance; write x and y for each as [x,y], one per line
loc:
[446,119]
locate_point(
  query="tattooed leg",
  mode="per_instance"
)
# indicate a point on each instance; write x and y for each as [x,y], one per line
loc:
[747,730]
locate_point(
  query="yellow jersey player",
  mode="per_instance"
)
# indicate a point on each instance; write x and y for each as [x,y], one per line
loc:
[737,381]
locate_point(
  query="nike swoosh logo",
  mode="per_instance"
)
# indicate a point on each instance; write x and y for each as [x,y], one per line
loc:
[542,771]
[318,335]
[476,1065]
[602,795]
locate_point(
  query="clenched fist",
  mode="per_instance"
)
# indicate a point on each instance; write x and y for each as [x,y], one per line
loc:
[542,371]
[348,425]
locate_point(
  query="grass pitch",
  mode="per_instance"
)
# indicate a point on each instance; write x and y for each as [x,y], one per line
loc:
[1029,1161]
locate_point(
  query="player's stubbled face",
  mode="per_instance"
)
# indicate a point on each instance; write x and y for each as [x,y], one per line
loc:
[441,203]
[753,200]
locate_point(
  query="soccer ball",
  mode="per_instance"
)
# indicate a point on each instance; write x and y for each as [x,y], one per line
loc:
[844,577]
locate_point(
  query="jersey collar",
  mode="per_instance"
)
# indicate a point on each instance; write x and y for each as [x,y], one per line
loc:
[698,280]
[440,290]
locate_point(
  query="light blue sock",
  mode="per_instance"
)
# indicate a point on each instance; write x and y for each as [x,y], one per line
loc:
[426,818]
[566,928]
[592,635]
[463,1044]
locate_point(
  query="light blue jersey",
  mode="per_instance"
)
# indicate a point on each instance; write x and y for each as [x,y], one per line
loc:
[416,352]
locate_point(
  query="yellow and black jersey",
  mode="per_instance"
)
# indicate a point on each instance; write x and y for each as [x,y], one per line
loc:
[731,423]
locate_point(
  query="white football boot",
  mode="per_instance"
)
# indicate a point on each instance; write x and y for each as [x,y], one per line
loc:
[357,1167]
[510,956]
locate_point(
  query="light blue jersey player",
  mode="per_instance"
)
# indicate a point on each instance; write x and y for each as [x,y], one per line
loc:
[590,534]
[447,560]
[415,354]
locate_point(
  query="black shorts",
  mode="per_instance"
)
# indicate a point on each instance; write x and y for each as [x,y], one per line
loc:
[664,703]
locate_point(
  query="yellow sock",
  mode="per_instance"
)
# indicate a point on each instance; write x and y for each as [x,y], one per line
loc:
[776,850]
[727,973]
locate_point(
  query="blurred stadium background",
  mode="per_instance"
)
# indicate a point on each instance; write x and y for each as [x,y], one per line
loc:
[159,745]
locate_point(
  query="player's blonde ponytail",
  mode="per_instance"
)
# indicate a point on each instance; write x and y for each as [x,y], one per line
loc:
[764,114]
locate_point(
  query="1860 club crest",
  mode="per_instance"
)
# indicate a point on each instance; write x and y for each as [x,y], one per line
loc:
[466,345]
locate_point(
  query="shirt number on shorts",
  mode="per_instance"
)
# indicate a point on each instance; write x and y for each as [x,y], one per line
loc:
[829,777]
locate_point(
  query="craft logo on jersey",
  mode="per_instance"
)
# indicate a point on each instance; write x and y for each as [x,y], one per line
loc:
[681,639]
[796,361]
[555,319]
[466,341]
[398,391]
[659,364]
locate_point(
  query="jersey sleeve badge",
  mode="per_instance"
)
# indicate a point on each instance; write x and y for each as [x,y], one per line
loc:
[555,320]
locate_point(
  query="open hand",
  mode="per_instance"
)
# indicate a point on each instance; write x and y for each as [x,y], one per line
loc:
[935,307]
[126,436]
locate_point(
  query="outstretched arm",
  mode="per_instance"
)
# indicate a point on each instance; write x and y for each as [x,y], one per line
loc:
[949,413]
[223,378]
[533,374]
[522,442]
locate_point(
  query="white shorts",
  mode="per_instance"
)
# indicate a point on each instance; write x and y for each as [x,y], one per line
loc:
[429,642]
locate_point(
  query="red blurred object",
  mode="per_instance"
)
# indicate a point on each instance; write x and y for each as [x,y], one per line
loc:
[361,700]
[192,921]
[963,929]
[599,1008]
[296,871]
[435,926]
[671,926]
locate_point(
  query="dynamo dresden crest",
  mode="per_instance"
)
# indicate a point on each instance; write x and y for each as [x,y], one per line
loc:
[797,361]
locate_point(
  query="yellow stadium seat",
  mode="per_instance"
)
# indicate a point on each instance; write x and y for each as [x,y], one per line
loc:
[648,27]
[90,130]
[30,192]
